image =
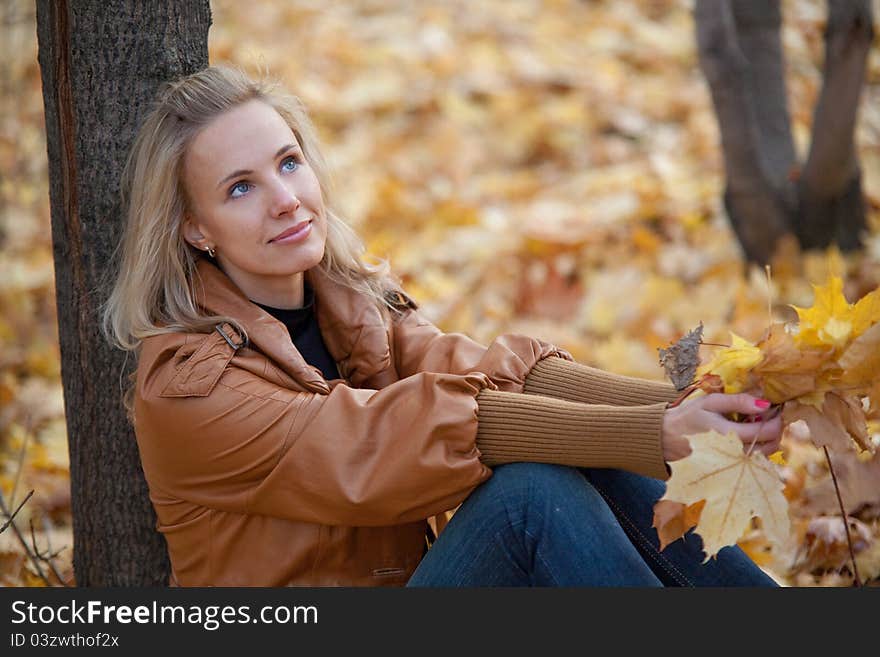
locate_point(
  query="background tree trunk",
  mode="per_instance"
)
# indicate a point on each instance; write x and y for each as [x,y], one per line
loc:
[766,194]
[101,65]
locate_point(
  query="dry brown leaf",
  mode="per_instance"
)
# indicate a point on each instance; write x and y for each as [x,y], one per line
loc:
[681,358]
[857,480]
[672,520]
[786,371]
[841,419]
[759,550]
[823,431]
[846,411]
[13,566]
[861,360]
[710,383]
[827,543]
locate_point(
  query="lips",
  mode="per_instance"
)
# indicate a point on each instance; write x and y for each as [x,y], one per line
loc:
[293,230]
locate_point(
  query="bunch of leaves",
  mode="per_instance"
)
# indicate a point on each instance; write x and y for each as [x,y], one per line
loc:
[823,371]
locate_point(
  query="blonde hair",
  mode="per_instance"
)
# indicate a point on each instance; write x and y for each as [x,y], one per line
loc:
[154,267]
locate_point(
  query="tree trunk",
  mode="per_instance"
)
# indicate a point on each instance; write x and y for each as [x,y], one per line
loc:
[740,53]
[741,56]
[832,205]
[101,65]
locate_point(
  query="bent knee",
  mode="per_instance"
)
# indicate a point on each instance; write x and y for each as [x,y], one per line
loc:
[528,479]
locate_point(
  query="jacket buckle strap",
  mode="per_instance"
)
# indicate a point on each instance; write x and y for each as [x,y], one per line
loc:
[222,330]
[399,300]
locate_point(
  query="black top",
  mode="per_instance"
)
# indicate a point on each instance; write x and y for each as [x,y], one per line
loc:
[302,324]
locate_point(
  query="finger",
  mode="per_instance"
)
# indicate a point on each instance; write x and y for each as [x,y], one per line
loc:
[766,416]
[758,432]
[755,440]
[770,444]
[770,430]
[739,403]
[767,426]
[772,427]
[768,448]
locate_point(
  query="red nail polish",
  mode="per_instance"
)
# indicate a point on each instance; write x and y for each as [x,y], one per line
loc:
[762,403]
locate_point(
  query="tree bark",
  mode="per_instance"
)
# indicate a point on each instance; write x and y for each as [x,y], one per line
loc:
[832,206]
[740,53]
[741,56]
[101,65]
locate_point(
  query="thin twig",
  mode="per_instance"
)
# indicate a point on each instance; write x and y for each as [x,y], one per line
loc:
[715,344]
[852,552]
[9,521]
[683,394]
[22,540]
[47,526]
[49,557]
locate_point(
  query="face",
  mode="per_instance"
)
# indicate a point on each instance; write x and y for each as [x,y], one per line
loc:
[255,200]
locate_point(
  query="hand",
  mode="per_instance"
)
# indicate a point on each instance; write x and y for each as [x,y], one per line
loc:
[762,426]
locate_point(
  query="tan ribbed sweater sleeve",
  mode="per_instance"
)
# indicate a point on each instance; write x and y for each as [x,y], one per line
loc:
[525,427]
[564,379]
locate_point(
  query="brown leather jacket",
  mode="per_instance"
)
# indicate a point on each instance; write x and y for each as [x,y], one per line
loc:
[262,473]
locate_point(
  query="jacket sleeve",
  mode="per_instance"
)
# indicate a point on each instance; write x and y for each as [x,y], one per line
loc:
[419,346]
[353,457]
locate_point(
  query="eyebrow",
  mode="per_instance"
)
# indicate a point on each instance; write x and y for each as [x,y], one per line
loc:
[246,172]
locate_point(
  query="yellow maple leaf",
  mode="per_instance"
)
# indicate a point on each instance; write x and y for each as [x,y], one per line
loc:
[829,320]
[736,487]
[866,312]
[733,363]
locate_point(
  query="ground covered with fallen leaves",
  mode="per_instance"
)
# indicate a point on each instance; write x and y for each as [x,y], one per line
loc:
[546,167]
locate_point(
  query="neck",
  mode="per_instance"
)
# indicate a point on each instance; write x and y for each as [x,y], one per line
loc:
[285,292]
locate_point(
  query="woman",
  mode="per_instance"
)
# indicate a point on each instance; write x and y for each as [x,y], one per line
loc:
[299,421]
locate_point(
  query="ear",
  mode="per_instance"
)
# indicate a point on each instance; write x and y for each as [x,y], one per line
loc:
[193,234]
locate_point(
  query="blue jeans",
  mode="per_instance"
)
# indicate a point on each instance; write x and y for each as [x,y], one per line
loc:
[533,524]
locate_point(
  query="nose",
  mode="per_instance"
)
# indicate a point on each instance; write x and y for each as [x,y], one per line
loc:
[284,199]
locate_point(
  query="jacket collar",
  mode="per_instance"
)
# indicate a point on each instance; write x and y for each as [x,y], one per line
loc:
[352,326]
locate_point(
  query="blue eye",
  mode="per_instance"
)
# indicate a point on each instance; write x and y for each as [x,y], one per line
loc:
[289,164]
[239,189]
